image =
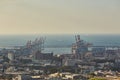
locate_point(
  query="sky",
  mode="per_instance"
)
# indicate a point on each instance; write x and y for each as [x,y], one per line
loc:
[59,17]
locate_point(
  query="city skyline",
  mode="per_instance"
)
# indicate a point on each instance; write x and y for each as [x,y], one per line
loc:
[59,17]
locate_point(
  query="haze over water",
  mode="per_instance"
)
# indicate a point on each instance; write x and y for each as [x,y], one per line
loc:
[59,16]
[26,18]
[59,43]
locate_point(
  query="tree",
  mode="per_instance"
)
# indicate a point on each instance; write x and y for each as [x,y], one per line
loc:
[97,79]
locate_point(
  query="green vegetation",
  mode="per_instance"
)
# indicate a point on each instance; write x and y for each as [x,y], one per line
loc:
[6,77]
[97,79]
[92,74]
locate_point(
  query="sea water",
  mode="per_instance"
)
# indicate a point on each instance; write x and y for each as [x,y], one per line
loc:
[59,44]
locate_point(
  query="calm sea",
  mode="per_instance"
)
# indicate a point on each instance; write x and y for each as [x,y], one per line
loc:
[59,43]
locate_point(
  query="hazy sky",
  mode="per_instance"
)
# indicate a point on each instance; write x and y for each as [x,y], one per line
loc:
[59,16]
